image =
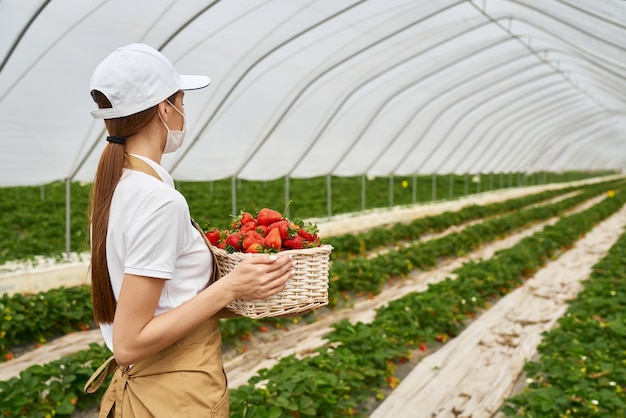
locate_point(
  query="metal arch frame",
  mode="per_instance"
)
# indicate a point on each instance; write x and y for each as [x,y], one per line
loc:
[507,162]
[564,147]
[519,119]
[578,138]
[565,41]
[572,164]
[25,29]
[440,94]
[548,110]
[512,102]
[542,30]
[566,23]
[332,67]
[524,161]
[569,140]
[458,120]
[556,135]
[396,93]
[249,69]
[521,133]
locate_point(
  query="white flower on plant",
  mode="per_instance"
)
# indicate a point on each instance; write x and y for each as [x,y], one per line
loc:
[529,381]
[473,298]
[595,402]
[583,358]
[611,383]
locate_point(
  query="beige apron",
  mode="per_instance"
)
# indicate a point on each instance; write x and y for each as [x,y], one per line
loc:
[186,379]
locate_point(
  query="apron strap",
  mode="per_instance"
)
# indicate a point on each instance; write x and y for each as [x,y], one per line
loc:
[137,164]
[98,377]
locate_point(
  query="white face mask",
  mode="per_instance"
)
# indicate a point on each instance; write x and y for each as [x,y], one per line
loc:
[174,138]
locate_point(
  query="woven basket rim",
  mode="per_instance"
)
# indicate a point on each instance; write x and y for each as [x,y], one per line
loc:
[322,249]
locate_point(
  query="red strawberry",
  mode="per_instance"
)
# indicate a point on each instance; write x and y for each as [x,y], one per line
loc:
[272,240]
[248,226]
[254,248]
[294,243]
[213,235]
[242,219]
[268,216]
[261,229]
[252,237]
[283,226]
[235,240]
[308,231]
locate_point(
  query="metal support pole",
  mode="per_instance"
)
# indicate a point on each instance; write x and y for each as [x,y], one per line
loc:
[329,196]
[363,195]
[434,195]
[287,197]
[68,221]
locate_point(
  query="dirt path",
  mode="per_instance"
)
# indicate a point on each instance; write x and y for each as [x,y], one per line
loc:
[473,373]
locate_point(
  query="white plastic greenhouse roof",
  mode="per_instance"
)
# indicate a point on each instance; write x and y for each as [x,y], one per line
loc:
[304,88]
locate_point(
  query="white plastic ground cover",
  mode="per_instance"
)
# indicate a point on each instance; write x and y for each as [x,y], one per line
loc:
[304,88]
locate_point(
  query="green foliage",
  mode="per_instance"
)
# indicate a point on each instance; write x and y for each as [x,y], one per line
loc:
[33,220]
[581,370]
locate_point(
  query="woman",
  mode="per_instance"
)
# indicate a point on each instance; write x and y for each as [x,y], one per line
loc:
[151,268]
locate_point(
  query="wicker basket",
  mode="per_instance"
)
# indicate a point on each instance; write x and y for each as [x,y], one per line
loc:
[307,289]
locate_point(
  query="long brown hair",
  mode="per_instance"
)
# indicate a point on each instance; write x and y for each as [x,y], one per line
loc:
[107,176]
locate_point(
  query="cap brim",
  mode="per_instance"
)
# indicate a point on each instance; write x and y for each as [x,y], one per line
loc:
[194,82]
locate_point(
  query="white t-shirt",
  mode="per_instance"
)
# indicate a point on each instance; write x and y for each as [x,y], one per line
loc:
[150,234]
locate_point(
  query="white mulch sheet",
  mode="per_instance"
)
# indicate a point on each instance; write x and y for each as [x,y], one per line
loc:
[472,374]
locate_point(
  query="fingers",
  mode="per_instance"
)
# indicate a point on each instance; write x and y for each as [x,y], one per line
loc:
[261,277]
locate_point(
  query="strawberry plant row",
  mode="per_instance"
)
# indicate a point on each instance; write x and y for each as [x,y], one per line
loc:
[581,371]
[360,358]
[358,362]
[33,220]
[22,324]
[363,274]
[350,245]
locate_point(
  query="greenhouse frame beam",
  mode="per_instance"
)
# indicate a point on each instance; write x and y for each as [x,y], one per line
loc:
[248,70]
[496,114]
[525,160]
[539,107]
[572,142]
[440,95]
[328,70]
[547,110]
[396,93]
[471,94]
[496,22]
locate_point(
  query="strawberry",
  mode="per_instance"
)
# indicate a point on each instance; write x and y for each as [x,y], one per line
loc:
[252,237]
[283,226]
[234,240]
[272,240]
[248,226]
[255,248]
[261,229]
[242,219]
[307,230]
[268,216]
[213,235]
[294,243]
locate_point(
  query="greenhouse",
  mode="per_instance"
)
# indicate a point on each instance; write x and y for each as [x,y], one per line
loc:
[456,165]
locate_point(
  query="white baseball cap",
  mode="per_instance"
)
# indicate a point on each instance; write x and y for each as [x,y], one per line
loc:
[135,78]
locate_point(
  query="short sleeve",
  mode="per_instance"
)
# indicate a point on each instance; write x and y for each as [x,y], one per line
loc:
[157,233]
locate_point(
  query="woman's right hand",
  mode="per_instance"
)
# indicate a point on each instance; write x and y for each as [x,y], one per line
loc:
[259,277]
